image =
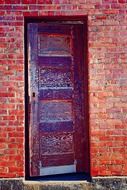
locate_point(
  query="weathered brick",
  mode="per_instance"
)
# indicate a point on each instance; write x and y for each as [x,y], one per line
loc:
[107,55]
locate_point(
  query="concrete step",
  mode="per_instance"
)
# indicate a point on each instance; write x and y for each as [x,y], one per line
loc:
[95,184]
[59,186]
[33,185]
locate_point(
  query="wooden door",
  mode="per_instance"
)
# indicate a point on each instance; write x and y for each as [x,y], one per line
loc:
[56,89]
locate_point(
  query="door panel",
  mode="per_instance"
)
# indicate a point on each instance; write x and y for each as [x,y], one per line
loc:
[57,135]
[56,143]
[57,160]
[55,62]
[59,126]
[54,78]
[55,111]
[52,93]
[54,44]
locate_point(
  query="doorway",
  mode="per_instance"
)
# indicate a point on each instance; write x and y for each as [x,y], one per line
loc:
[57,90]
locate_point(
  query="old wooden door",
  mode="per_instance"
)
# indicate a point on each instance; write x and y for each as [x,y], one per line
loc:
[56,89]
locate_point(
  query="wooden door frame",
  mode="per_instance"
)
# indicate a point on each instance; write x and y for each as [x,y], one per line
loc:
[71,19]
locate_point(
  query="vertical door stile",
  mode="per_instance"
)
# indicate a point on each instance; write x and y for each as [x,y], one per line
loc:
[33,94]
[79,134]
[73,79]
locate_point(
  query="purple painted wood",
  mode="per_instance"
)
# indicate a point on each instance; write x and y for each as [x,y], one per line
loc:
[48,94]
[54,29]
[33,102]
[56,143]
[79,135]
[64,126]
[55,62]
[54,78]
[53,111]
[49,44]
[58,85]
[57,159]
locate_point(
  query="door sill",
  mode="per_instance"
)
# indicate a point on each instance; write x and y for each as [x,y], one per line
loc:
[54,170]
[62,177]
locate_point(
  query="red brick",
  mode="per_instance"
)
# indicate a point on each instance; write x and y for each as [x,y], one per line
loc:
[12,1]
[44,1]
[7,94]
[15,134]
[107,57]
[2,1]
[7,164]
[3,169]
[15,169]
[29,1]
[3,145]
[122,1]
[15,145]
[15,157]
[31,13]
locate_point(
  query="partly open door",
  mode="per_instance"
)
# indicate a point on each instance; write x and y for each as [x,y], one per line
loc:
[57,129]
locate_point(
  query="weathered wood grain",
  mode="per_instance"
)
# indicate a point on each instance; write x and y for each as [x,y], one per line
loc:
[55,62]
[54,78]
[51,44]
[56,143]
[57,160]
[33,102]
[56,93]
[51,111]
[52,28]
[63,126]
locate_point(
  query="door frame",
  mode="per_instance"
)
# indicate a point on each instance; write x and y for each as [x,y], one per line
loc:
[73,20]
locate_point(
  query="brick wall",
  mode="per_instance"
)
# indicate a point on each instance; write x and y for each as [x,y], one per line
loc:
[107,54]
